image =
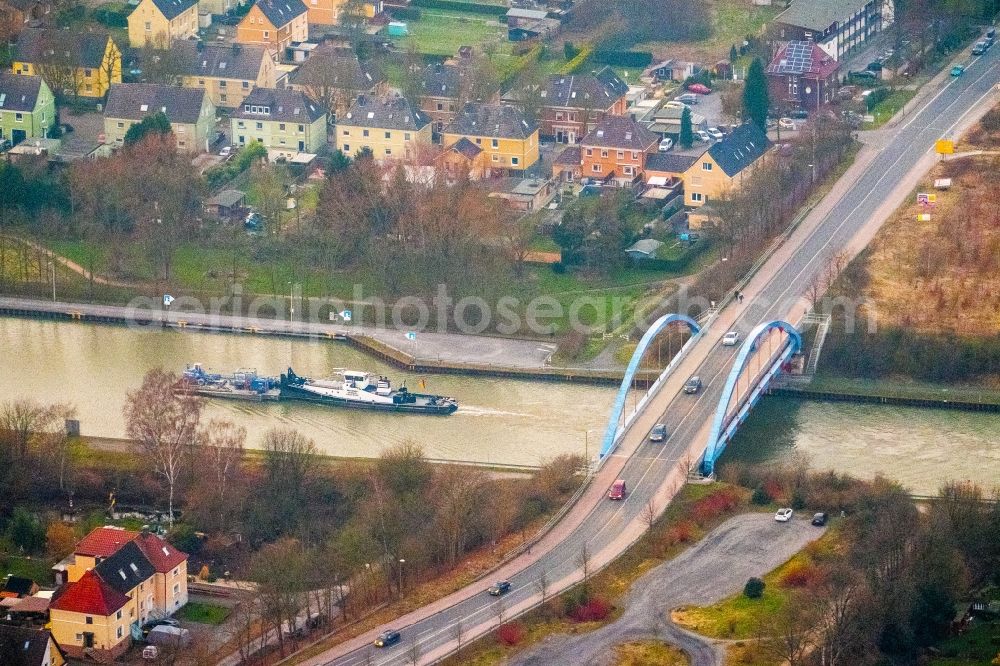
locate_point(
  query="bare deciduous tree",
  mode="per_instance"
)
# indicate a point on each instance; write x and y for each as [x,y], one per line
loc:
[458,632]
[542,584]
[162,423]
[649,514]
[499,610]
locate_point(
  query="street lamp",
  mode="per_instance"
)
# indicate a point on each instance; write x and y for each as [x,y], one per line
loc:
[291,301]
[401,563]
[52,268]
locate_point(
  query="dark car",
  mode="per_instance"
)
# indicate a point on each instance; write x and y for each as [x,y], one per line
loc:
[819,519]
[979,48]
[658,433]
[863,74]
[692,385]
[387,638]
[162,622]
[501,588]
[798,114]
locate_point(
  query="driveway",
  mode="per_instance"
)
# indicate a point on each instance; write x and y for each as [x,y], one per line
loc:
[717,567]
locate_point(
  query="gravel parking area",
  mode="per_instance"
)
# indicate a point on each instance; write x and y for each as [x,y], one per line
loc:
[716,567]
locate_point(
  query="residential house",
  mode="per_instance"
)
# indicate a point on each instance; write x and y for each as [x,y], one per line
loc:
[27,108]
[334,77]
[228,72]
[616,150]
[441,91]
[161,22]
[499,130]
[391,127]
[836,26]
[666,169]
[115,581]
[802,76]
[724,165]
[286,121]
[274,24]
[18,587]
[75,62]
[190,111]
[671,70]
[525,194]
[463,159]
[566,165]
[15,15]
[572,105]
[21,646]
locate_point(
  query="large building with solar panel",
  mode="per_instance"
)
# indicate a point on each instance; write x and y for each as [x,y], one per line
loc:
[801,76]
[837,26]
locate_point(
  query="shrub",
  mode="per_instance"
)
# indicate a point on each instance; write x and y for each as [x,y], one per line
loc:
[760,496]
[510,633]
[754,589]
[624,58]
[712,506]
[595,609]
[801,574]
[774,490]
[569,50]
[798,500]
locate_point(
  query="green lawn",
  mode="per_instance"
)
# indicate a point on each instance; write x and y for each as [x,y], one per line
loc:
[976,647]
[439,32]
[37,569]
[201,613]
[889,107]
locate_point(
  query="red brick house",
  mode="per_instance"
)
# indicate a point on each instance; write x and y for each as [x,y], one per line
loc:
[802,76]
[615,152]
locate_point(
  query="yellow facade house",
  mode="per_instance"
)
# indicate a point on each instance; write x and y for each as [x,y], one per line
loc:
[160,22]
[189,110]
[274,24]
[227,72]
[724,165]
[391,127]
[73,63]
[286,121]
[501,131]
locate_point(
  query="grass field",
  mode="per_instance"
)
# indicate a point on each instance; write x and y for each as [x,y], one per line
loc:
[439,32]
[732,21]
[649,653]
[885,110]
[202,613]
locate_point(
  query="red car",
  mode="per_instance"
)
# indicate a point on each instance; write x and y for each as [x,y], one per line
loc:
[699,88]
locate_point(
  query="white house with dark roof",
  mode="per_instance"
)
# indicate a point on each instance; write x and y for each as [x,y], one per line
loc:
[160,22]
[189,110]
[287,122]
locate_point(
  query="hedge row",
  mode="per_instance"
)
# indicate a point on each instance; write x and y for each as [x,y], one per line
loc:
[405,13]
[461,6]
[577,62]
[624,58]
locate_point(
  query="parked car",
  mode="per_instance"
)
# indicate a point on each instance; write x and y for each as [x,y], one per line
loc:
[874,66]
[688,98]
[863,75]
[699,88]
[692,385]
[798,114]
[783,515]
[253,223]
[979,48]
[702,135]
[715,133]
[786,124]
[161,622]
[226,151]
[991,33]
[731,339]
[666,144]
[658,433]
[958,70]
[617,491]
[819,519]
[387,638]
[499,588]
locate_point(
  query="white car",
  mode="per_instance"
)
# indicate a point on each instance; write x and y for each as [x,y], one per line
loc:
[666,145]
[731,339]
[226,151]
[786,124]
[783,515]
[716,134]
[703,135]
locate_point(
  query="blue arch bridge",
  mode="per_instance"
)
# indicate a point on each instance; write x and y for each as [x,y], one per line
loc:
[763,355]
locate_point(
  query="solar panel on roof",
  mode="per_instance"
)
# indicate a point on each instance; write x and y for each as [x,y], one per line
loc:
[798,58]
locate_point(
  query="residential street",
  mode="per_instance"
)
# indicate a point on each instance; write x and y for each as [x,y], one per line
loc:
[715,568]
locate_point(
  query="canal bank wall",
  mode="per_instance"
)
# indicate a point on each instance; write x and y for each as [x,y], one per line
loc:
[987,402]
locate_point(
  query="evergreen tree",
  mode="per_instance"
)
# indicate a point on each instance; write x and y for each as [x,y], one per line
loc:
[687,132]
[755,97]
[158,123]
[733,54]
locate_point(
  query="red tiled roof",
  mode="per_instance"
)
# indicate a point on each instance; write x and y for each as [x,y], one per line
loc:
[161,554]
[89,595]
[104,541]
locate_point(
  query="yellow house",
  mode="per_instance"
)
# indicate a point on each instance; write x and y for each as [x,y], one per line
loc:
[274,24]
[724,165]
[160,22]
[83,63]
[227,72]
[391,127]
[286,121]
[501,131]
[190,111]
[89,617]
[25,646]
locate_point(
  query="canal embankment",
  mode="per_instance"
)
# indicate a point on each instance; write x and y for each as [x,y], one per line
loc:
[885,392]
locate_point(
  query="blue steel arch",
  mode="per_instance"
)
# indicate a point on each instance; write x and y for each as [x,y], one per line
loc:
[633,367]
[715,444]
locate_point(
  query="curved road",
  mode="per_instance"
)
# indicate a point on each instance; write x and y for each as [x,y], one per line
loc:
[845,220]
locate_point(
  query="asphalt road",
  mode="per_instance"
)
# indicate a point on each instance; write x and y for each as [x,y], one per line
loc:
[715,568]
[847,217]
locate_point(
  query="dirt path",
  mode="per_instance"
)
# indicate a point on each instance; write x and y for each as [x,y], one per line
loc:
[718,566]
[72,265]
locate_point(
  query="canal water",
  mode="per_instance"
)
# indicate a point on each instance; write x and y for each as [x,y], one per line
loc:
[500,421]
